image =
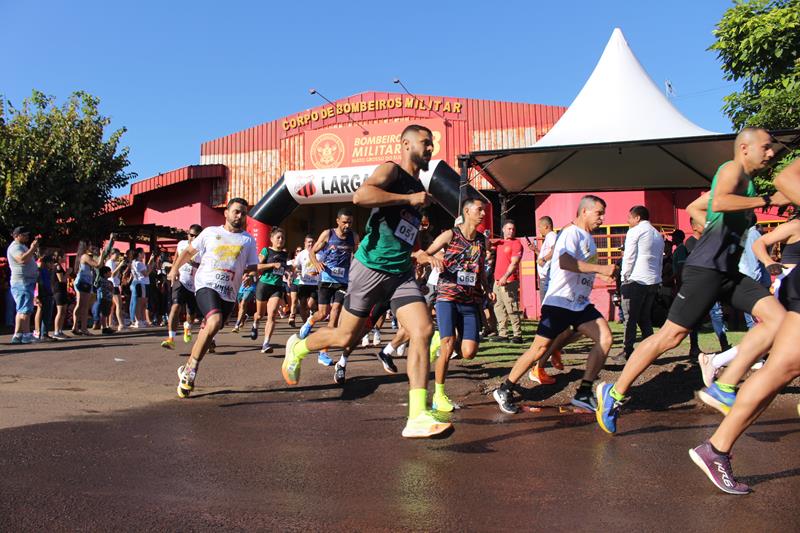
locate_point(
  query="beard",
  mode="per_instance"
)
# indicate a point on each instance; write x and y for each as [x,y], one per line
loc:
[421,162]
[236,223]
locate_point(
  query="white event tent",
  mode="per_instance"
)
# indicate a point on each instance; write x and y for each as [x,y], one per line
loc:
[619,133]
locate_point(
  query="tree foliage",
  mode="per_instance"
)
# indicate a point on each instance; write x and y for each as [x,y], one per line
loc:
[58,167]
[758,42]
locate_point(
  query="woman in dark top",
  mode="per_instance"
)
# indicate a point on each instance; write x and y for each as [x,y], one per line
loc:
[270,288]
[60,295]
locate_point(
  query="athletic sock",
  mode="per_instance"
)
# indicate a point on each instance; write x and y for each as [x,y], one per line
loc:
[715,450]
[402,349]
[300,349]
[721,359]
[724,387]
[171,334]
[585,385]
[438,388]
[507,385]
[417,402]
[342,361]
[616,395]
[388,349]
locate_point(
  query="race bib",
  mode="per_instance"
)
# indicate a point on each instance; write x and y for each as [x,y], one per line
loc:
[406,232]
[467,279]
[337,272]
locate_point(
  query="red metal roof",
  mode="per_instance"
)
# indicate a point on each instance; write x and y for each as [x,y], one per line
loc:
[192,172]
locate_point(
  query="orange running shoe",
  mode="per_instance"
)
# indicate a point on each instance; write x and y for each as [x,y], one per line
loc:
[538,375]
[555,359]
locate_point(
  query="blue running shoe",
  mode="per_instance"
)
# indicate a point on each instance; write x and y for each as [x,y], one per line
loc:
[305,330]
[717,398]
[607,408]
[324,360]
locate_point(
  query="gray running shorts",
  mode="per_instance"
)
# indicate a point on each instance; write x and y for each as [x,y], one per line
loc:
[368,287]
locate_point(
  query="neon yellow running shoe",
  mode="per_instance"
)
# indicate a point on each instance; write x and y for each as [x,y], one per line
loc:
[187,333]
[441,402]
[169,344]
[291,362]
[436,344]
[424,425]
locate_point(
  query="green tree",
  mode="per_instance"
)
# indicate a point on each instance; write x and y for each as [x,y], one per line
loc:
[758,42]
[58,167]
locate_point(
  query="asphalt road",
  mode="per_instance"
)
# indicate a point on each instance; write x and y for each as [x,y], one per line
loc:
[92,437]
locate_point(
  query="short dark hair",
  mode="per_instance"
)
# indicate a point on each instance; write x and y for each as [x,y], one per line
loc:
[508,221]
[237,200]
[470,200]
[640,211]
[415,128]
[308,236]
[196,228]
[344,212]
[547,220]
[104,270]
[275,230]
[678,235]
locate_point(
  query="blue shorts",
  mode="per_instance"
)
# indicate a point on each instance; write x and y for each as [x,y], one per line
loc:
[246,293]
[23,296]
[452,315]
[557,319]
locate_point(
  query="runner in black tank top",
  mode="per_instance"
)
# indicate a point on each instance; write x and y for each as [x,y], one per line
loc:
[711,274]
[382,272]
[761,388]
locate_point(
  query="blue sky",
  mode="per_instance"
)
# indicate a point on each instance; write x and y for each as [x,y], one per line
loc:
[178,73]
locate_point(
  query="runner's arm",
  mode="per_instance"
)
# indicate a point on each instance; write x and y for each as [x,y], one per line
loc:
[726,200]
[567,262]
[440,242]
[780,234]
[322,240]
[788,182]
[181,258]
[699,208]
[373,193]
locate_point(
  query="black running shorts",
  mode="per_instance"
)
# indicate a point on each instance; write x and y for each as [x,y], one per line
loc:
[554,320]
[332,293]
[702,287]
[265,291]
[210,302]
[307,291]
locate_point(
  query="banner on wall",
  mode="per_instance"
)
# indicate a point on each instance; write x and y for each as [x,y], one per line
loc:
[349,146]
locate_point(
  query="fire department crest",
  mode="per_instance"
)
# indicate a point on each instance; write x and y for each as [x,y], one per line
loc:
[327,151]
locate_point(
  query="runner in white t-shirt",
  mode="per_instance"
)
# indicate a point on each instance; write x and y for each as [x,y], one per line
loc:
[226,254]
[183,293]
[567,304]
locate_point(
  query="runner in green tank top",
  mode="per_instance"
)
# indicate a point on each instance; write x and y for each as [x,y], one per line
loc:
[711,274]
[382,272]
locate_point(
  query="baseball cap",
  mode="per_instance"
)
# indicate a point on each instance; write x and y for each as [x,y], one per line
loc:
[19,230]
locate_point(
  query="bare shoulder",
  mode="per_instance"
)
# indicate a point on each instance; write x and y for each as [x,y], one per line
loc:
[383,176]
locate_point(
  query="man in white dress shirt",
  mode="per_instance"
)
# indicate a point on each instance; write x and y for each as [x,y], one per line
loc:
[641,276]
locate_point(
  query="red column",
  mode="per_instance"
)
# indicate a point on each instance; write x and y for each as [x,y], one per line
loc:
[259,231]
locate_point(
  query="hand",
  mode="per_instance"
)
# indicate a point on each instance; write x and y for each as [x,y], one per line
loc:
[779,199]
[315,263]
[35,244]
[419,199]
[609,271]
[173,275]
[775,268]
[502,281]
[425,258]
[492,297]
[247,280]
[608,279]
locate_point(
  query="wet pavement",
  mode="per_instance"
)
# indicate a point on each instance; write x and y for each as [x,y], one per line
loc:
[92,443]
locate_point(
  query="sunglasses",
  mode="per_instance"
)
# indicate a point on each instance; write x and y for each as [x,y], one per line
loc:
[193,234]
